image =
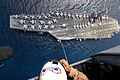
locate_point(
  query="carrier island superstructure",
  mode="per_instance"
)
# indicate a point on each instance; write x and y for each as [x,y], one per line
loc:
[67,25]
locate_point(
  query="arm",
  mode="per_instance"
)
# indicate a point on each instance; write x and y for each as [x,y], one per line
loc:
[77,75]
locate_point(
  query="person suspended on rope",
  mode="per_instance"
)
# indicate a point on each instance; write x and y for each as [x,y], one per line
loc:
[60,70]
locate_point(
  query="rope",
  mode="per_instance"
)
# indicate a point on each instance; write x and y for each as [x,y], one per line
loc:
[64,51]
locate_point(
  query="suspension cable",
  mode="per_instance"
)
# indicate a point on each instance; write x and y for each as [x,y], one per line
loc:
[64,51]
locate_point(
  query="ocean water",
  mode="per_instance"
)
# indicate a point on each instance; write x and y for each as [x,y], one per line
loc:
[32,50]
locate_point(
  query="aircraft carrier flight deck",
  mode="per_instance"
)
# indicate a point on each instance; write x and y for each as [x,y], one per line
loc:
[67,26]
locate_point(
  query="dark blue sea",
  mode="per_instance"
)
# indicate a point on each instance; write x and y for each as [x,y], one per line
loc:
[32,50]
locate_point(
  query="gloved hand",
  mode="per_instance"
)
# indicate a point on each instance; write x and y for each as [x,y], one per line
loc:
[77,75]
[65,65]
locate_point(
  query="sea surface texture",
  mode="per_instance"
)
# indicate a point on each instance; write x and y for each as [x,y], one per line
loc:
[32,50]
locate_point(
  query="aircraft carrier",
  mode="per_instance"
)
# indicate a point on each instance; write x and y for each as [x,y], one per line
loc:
[66,25]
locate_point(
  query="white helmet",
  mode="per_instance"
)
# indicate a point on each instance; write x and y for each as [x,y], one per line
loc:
[53,70]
